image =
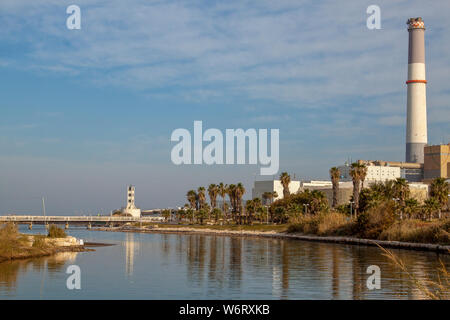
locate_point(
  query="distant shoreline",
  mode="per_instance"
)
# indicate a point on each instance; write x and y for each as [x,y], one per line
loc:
[282,235]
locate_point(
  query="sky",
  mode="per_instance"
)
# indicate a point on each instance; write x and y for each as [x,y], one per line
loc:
[84,113]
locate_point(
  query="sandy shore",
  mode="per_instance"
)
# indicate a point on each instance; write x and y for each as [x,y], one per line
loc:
[283,235]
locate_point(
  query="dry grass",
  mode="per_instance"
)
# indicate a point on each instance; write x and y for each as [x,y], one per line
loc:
[432,290]
[376,224]
[323,224]
[419,231]
[14,245]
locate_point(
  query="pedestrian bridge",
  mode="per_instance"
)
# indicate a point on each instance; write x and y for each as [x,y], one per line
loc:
[21,219]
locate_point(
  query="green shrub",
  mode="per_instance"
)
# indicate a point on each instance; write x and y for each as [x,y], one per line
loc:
[372,223]
[55,232]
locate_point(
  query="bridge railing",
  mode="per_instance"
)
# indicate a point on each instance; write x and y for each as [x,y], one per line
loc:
[74,219]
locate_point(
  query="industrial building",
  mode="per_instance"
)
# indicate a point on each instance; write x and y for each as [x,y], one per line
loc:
[261,187]
[376,172]
[437,162]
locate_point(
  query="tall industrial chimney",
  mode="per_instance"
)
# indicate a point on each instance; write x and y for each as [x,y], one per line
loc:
[416,123]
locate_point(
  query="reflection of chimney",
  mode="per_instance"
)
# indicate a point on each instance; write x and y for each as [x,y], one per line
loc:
[416,122]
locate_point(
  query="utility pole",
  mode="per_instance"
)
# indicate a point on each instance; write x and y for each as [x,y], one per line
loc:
[43,211]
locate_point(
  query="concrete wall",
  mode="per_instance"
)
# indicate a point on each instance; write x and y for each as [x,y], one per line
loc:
[273,185]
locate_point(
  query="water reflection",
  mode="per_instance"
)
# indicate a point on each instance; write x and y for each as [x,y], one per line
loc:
[179,266]
[297,269]
[131,247]
[12,271]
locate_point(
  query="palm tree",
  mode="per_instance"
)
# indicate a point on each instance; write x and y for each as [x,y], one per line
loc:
[273,196]
[201,197]
[213,191]
[240,191]
[439,190]
[266,196]
[401,192]
[285,179]
[411,207]
[231,191]
[192,199]
[335,175]
[217,214]
[358,173]
[249,209]
[430,206]
[222,190]
[318,201]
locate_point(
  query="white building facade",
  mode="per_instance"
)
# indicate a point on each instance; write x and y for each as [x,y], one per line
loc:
[374,173]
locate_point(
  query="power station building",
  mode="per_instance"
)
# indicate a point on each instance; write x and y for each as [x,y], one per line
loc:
[437,162]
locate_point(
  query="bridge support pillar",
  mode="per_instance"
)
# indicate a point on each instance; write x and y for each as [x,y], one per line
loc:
[30,226]
[89,226]
[67,225]
[46,226]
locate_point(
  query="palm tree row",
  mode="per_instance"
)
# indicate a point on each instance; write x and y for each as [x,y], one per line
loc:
[235,192]
[393,190]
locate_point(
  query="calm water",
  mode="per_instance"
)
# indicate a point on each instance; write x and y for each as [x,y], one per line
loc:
[171,266]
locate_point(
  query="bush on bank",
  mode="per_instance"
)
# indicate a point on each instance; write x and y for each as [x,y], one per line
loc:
[378,223]
[55,232]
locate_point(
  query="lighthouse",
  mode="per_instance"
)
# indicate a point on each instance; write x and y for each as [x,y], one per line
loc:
[416,123]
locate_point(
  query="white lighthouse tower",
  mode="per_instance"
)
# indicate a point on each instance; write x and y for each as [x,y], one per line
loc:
[416,123]
[131,206]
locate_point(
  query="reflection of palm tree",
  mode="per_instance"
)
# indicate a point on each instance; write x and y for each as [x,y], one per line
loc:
[235,261]
[285,267]
[335,275]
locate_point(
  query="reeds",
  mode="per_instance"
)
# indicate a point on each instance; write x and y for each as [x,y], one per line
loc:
[431,289]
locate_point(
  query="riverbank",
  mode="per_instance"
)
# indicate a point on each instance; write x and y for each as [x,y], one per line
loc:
[14,245]
[281,233]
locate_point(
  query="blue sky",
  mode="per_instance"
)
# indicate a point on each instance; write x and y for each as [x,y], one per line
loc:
[85,112]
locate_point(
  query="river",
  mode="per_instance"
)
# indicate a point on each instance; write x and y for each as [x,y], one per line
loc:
[176,266]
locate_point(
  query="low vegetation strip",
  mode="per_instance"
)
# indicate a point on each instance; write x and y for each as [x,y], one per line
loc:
[14,245]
